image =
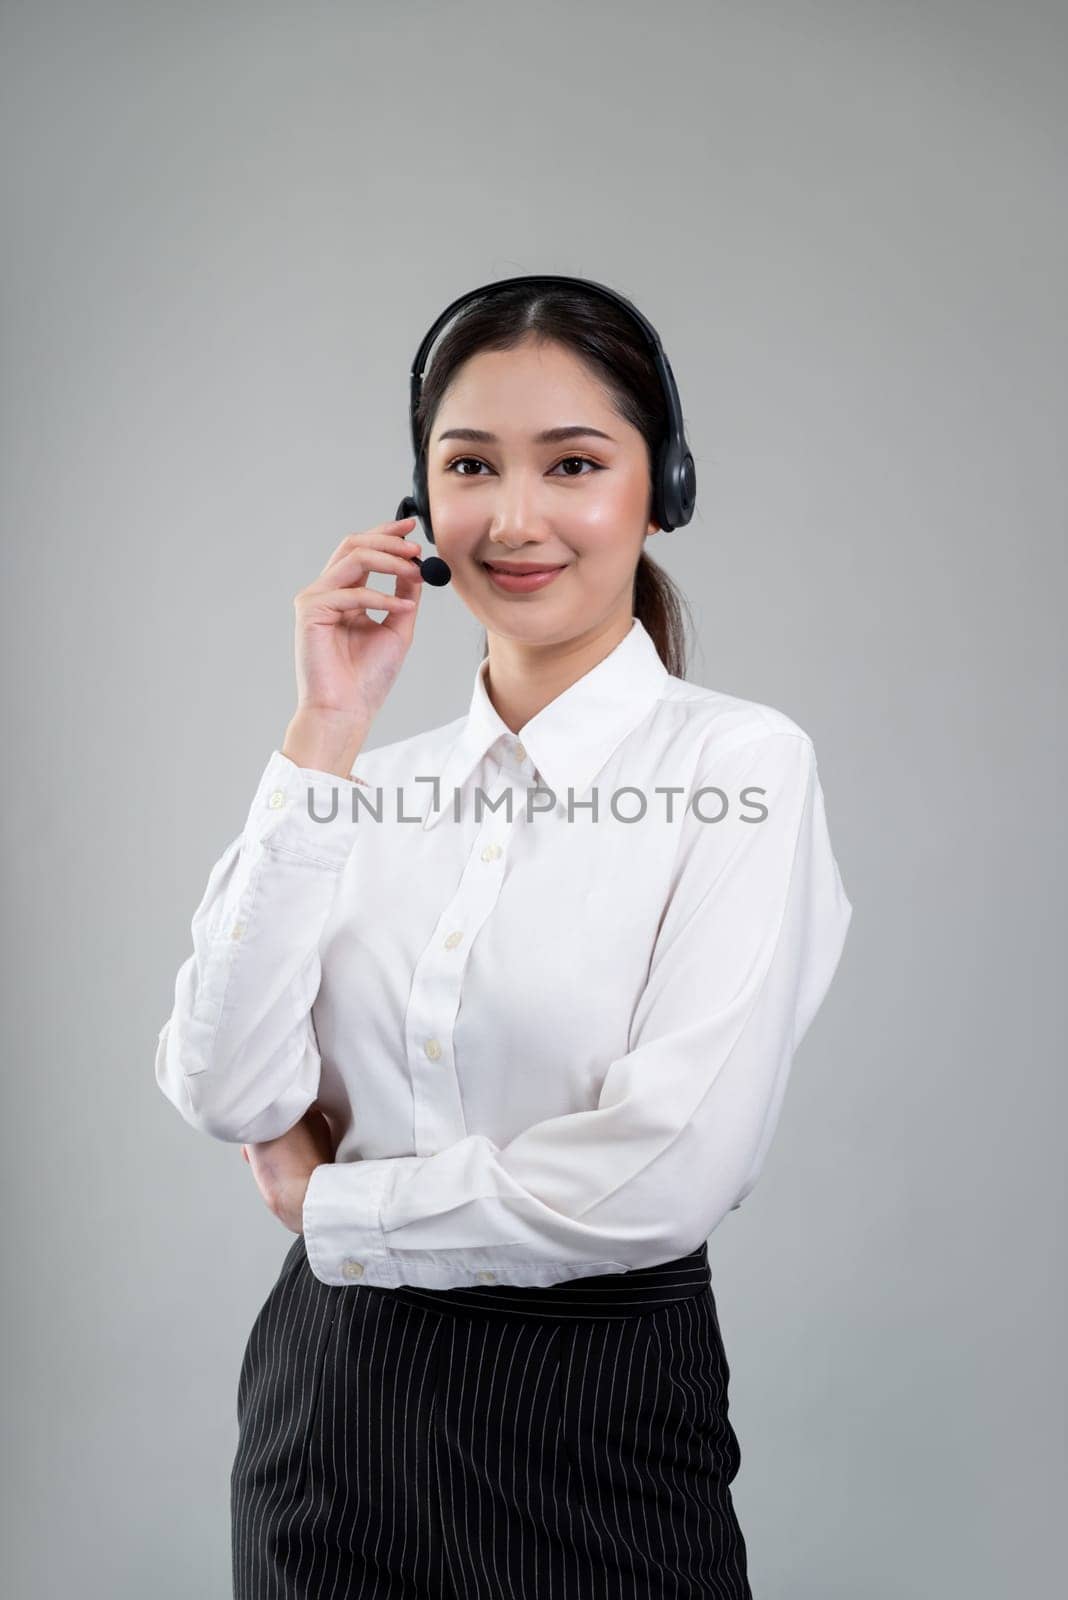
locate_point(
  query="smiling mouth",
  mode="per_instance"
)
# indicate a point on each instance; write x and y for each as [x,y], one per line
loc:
[524,569]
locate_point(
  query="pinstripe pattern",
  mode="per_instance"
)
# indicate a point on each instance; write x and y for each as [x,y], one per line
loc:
[498,1443]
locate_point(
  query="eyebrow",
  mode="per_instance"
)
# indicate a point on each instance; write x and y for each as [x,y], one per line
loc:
[548,436]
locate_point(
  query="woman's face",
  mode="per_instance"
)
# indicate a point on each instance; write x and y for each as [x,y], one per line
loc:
[578,502]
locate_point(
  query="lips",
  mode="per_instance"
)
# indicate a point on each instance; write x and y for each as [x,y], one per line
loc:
[522,570]
[524,578]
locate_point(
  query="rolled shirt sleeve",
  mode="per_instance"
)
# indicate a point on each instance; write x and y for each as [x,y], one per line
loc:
[238,1055]
[746,950]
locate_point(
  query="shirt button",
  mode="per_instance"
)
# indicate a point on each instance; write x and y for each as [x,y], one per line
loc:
[352,1269]
[432,1049]
[491,852]
[237,930]
[278,798]
[488,1277]
[520,752]
[453,940]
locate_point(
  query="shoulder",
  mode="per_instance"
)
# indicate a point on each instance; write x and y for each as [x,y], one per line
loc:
[714,724]
[397,759]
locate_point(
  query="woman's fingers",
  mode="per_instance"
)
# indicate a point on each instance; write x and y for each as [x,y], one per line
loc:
[364,599]
[387,535]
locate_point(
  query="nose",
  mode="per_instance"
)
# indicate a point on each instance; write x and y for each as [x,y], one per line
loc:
[517,520]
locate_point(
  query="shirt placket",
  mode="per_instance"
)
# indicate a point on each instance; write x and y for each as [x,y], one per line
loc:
[437,981]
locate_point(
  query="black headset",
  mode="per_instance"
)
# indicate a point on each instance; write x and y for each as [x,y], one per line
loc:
[674,474]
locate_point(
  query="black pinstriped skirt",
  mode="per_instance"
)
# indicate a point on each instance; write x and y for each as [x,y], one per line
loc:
[494,1443]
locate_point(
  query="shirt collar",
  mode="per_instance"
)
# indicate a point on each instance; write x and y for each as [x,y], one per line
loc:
[571,738]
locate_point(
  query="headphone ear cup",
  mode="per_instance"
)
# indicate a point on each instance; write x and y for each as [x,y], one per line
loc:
[676,488]
[409,508]
[664,507]
[412,506]
[422,499]
[687,488]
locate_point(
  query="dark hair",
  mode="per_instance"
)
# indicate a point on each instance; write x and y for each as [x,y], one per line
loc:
[613,346]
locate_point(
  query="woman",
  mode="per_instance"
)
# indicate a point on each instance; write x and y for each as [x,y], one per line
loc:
[503,1021]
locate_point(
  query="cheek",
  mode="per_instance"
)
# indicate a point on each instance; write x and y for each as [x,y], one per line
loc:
[455,535]
[607,544]
[620,502]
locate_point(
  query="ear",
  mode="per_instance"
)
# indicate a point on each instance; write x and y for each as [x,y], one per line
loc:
[654,527]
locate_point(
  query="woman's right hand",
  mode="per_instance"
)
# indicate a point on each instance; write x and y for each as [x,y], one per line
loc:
[346,663]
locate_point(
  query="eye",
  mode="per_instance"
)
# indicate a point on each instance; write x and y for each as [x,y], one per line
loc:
[458,461]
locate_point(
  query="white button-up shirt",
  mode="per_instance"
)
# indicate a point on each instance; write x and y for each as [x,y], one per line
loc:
[548,986]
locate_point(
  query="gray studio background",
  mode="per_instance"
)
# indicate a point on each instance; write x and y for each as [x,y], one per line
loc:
[226,228]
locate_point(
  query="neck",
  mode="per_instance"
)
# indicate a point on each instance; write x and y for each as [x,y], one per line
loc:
[522,678]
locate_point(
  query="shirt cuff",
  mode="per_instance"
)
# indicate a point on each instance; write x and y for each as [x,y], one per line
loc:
[342,1220]
[305,812]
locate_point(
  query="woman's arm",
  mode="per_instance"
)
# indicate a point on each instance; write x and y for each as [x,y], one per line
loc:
[283,1166]
[238,1055]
